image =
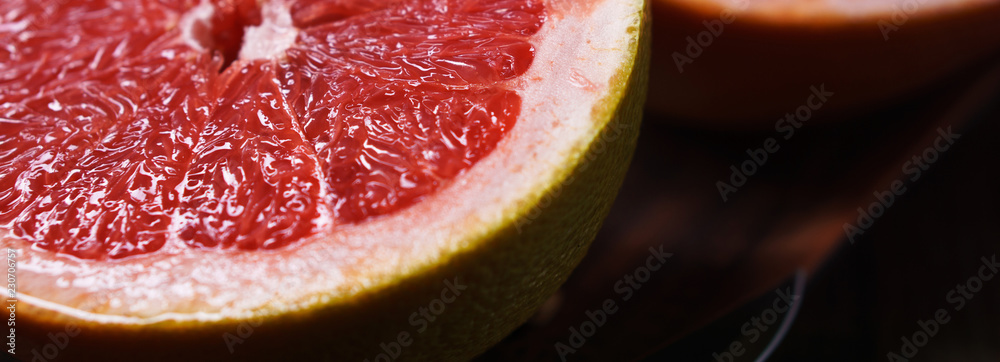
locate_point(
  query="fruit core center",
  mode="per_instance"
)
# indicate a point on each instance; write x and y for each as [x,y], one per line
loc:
[240,30]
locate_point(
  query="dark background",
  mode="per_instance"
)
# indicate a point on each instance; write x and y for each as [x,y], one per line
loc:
[729,257]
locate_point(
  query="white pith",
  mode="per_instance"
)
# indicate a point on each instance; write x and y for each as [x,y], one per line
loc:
[269,40]
[578,53]
[272,37]
[194,22]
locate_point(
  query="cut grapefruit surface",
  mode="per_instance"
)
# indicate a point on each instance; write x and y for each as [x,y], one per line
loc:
[344,110]
[171,170]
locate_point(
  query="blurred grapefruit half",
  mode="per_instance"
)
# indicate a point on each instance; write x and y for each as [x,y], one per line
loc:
[749,62]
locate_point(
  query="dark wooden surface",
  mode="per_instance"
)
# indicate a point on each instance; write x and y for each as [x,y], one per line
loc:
[728,257]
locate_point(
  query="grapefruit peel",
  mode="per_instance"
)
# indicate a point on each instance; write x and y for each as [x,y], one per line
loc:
[511,228]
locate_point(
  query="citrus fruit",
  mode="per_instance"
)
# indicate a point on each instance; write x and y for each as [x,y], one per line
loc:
[728,62]
[305,179]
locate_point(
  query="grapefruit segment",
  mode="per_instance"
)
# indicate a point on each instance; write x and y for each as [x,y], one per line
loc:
[253,182]
[399,100]
[94,164]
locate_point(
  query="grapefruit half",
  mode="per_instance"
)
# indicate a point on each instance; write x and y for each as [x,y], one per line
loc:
[731,62]
[305,179]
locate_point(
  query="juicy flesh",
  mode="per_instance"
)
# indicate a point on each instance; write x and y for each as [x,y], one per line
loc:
[126,125]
